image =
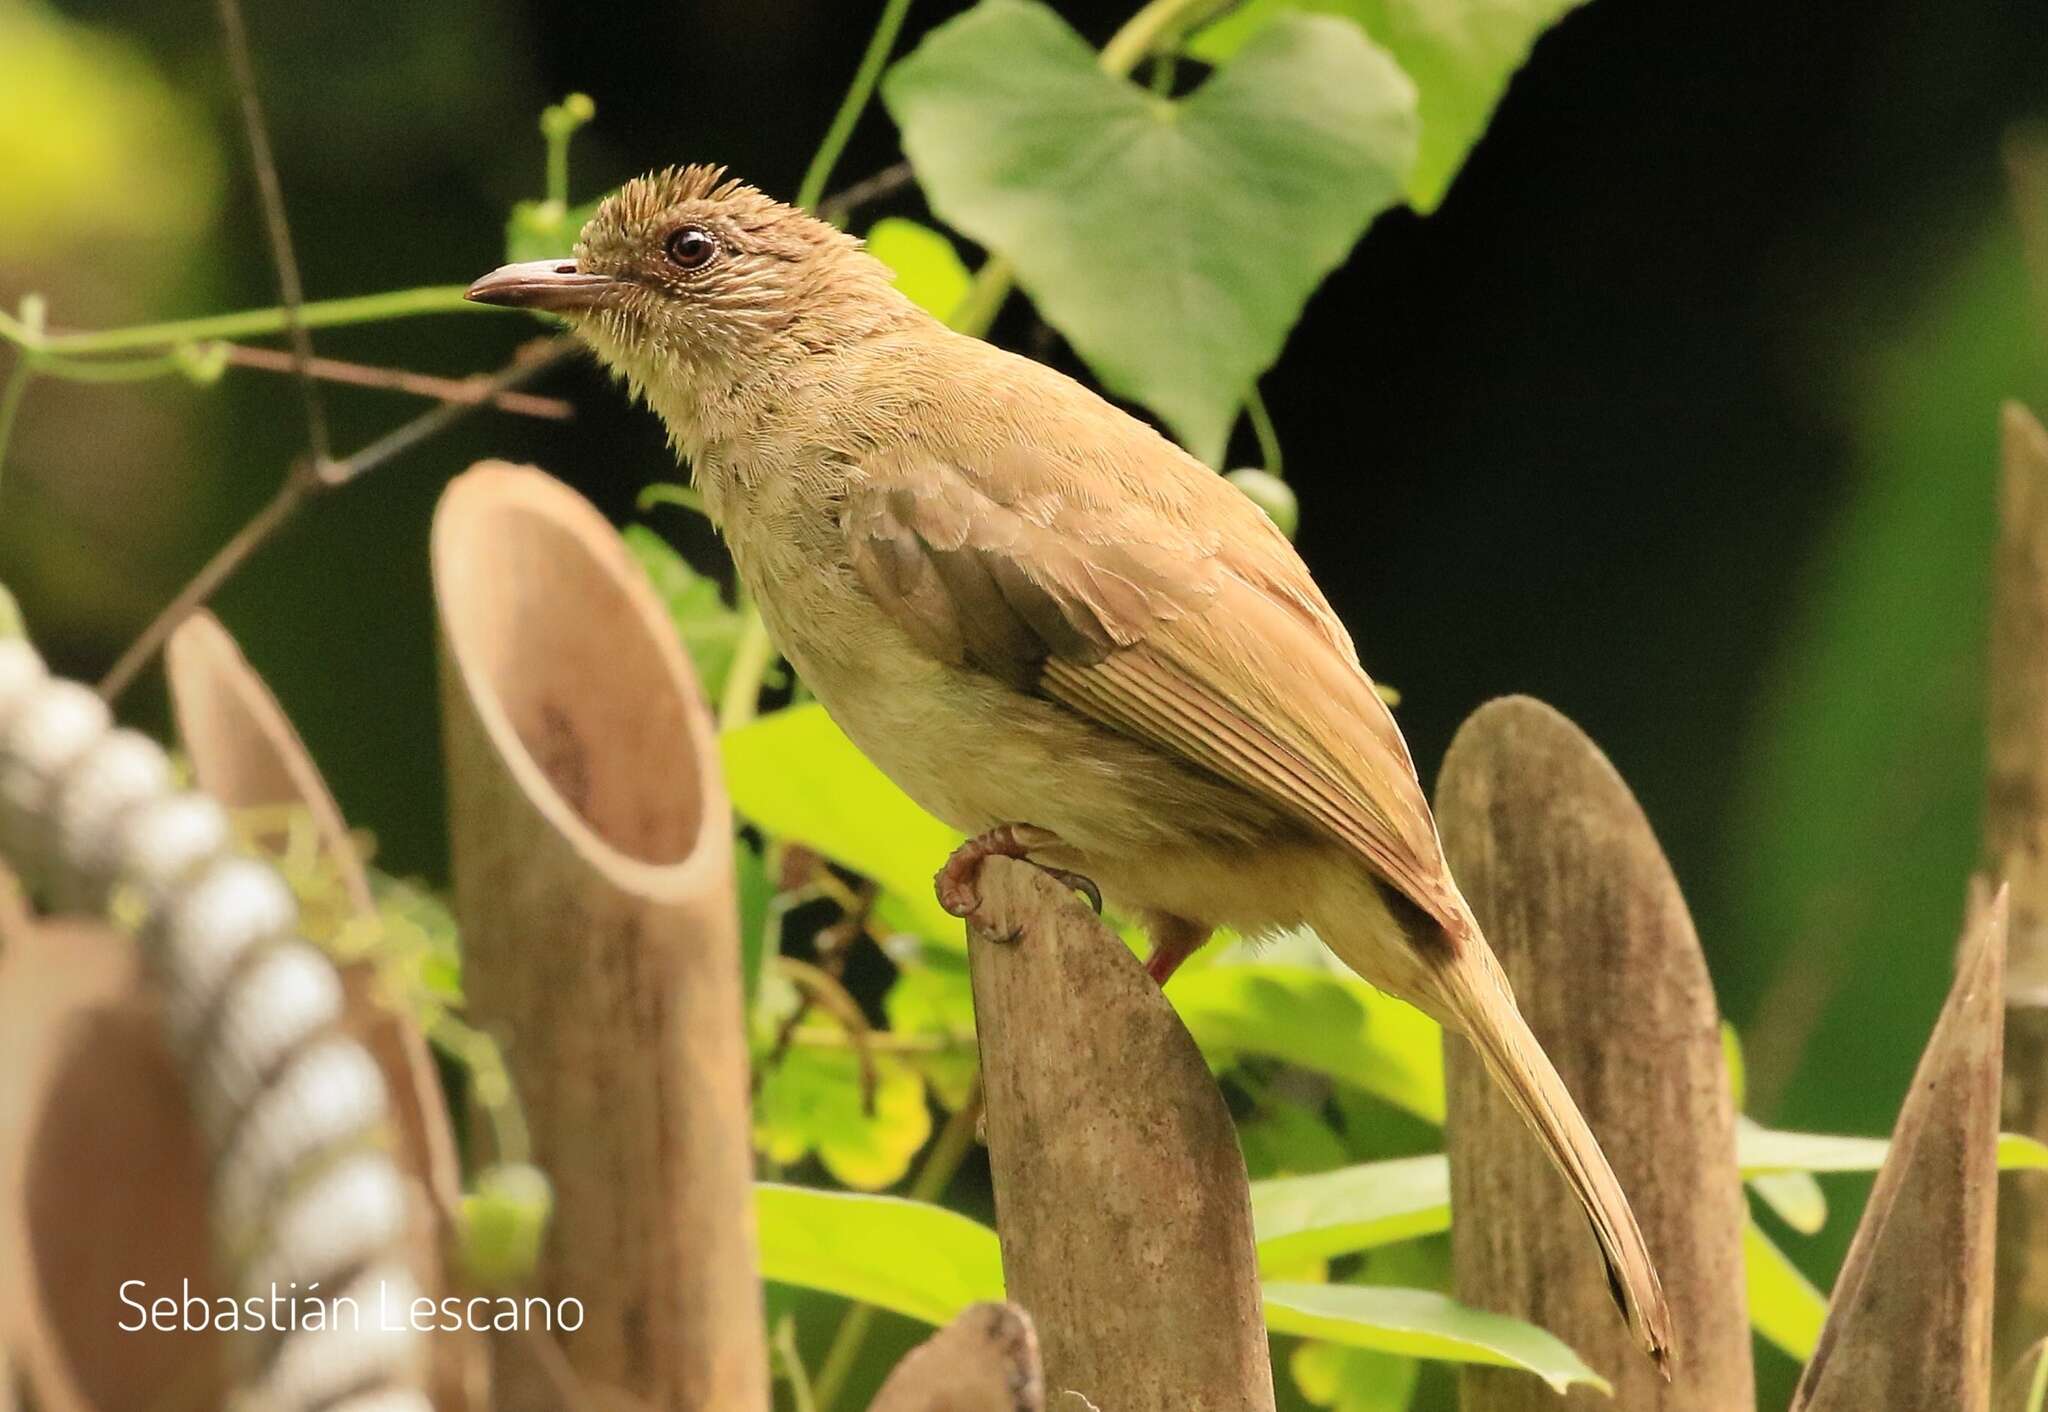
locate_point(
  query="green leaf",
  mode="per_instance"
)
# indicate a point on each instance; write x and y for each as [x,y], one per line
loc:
[928,269]
[1460,53]
[710,629]
[932,999]
[1783,1306]
[1765,1150]
[545,230]
[1352,1208]
[1286,1139]
[860,1247]
[10,616]
[814,1101]
[1329,1021]
[795,775]
[1423,1324]
[755,895]
[1173,242]
[1353,1379]
[504,1222]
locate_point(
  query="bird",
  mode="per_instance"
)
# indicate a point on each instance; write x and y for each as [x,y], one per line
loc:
[1052,627]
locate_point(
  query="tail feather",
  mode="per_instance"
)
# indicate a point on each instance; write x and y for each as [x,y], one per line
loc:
[1487,1016]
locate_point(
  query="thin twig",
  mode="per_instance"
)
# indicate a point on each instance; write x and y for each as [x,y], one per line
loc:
[883,184]
[865,77]
[289,287]
[471,391]
[300,485]
[1263,429]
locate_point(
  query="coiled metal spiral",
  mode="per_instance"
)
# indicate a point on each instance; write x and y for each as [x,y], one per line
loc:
[292,1110]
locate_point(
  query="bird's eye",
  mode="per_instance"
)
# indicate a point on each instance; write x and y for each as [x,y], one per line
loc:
[691,247]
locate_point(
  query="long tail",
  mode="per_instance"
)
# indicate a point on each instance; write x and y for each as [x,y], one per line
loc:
[1482,1007]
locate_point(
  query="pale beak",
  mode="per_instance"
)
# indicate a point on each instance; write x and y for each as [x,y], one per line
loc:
[554,285]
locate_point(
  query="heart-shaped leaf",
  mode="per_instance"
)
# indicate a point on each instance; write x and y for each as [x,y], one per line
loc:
[1173,242]
[1461,54]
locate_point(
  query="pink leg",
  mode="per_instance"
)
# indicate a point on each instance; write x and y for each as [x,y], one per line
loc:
[958,884]
[1174,939]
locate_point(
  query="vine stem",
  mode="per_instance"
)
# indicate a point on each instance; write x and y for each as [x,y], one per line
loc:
[245,323]
[880,44]
[956,1140]
[1263,429]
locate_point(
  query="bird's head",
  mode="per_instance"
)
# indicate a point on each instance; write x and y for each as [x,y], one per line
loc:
[685,275]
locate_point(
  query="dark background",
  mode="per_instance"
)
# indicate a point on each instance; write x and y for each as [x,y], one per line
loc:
[1680,414]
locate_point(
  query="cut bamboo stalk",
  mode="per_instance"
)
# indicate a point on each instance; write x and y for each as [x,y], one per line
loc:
[986,1360]
[102,1180]
[2016,852]
[593,881]
[1570,885]
[1909,1322]
[1121,1198]
[248,755]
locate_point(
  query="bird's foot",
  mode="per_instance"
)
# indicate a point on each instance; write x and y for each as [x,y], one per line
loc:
[959,883]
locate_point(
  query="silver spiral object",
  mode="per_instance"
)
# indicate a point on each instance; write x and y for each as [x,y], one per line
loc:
[294,1113]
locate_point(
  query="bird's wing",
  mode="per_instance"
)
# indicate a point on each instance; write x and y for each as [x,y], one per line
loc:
[1215,647]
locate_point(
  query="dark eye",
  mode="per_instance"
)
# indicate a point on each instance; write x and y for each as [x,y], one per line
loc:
[691,247]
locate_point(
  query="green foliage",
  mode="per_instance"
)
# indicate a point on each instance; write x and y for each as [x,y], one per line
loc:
[710,629]
[1328,1021]
[10,616]
[928,269]
[855,1246]
[1783,1305]
[864,1126]
[1271,494]
[1418,1323]
[1174,242]
[796,776]
[1460,53]
[504,1222]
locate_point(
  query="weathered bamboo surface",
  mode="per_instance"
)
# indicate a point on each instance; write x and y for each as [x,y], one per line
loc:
[986,1360]
[1121,1196]
[593,879]
[1567,878]
[2016,852]
[1909,1322]
[102,1178]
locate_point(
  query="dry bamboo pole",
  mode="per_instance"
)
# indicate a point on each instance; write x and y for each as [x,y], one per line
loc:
[1569,883]
[593,880]
[1121,1197]
[1909,1322]
[2016,852]
[246,753]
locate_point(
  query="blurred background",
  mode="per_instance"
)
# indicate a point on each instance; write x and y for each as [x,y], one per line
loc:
[1680,413]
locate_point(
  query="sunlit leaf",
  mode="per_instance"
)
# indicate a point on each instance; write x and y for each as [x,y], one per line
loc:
[1460,54]
[1783,1306]
[856,1247]
[1353,1379]
[1125,213]
[1762,1150]
[932,1000]
[795,775]
[1328,1021]
[1423,1324]
[1352,1208]
[928,269]
[812,1101]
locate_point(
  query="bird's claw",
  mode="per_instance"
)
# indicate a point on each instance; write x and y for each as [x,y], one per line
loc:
[958,884]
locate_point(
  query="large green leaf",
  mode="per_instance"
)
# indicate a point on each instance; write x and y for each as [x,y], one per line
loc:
[1460,53]
[1352,1208]
[710,628]
[794,774]
[1422,1324]
[1329,1021]
[816,1100]
[928,269]
[1174,242]
[910,1257]
[1783,1306]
